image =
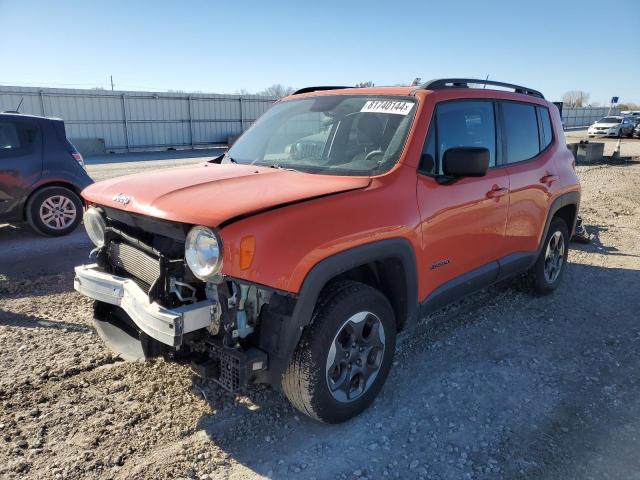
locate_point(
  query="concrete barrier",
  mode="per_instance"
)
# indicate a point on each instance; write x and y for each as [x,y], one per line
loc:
[587,152]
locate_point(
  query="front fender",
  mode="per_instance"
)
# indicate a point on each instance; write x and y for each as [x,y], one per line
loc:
[292,239]
[288,328]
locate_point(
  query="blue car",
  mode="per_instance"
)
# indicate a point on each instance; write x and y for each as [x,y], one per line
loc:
[41,174]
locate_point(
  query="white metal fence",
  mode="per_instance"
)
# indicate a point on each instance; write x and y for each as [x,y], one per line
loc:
[127,121]
[585,116]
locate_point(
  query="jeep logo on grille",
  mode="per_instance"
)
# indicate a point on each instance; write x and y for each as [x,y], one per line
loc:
[122,198]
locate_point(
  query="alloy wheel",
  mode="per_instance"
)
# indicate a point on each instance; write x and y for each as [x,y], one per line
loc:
[554,257]
[355,356]
[58,212]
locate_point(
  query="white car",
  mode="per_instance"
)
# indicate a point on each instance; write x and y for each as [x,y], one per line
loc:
[614,126]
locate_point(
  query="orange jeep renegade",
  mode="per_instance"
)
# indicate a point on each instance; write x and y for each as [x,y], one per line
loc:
[333,223]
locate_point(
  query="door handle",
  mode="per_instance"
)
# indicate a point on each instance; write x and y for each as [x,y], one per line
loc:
[497,192]
[548,178]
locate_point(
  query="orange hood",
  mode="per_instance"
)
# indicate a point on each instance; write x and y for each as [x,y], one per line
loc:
[210,194]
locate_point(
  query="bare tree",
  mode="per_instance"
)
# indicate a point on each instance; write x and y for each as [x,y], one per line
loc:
[277,90]
[575,98]
[365,84]
[629,106]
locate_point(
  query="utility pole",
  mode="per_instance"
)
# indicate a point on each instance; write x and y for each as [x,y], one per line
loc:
[111,76]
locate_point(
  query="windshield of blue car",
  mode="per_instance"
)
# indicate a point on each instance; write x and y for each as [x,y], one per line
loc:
[329,134]
[610,120]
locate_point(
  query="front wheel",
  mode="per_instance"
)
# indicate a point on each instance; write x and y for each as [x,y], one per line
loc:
[344,356]
[546,273]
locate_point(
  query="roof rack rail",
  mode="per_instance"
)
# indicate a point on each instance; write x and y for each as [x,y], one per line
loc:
[316,89]
[443,83]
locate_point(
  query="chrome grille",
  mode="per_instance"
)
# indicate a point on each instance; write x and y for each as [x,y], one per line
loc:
[134,261]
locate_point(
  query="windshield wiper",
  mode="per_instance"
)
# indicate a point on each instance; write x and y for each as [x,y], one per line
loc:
[280,167]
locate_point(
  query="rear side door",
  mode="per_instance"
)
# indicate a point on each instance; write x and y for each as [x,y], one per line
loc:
[20,163]
[529,155]
[463,223]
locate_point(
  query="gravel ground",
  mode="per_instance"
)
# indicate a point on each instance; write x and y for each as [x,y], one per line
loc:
[500,385]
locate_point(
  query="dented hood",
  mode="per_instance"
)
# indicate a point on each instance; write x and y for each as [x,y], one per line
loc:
[210,194]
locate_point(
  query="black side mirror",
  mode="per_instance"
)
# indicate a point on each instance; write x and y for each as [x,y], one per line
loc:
[465,162]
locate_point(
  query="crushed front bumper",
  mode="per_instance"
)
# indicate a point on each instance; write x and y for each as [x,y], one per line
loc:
[167,326]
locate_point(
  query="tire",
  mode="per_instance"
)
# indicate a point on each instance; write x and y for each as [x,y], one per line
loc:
[54,211]
[343,309]
[537,279]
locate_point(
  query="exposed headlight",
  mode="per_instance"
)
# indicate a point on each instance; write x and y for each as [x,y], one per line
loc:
[202,252]
[95,226]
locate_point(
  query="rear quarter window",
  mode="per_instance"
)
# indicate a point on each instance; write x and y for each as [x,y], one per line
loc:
[546,136]
[17,138]
[9,137]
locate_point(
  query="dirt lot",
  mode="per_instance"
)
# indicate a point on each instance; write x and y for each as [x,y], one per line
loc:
[500,385]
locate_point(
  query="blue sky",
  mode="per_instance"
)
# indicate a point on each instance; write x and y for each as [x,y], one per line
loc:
[225,46]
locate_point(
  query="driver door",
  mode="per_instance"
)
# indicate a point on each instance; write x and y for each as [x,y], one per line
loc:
[463,223]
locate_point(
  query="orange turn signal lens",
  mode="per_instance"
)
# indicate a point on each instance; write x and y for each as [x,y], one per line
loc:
[247,249]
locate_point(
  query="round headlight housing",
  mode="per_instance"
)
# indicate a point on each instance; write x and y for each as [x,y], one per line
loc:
[203,253]
[95,226]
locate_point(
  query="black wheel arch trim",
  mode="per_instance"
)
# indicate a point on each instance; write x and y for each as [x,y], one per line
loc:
[327,269]
[566,199]
[43,183]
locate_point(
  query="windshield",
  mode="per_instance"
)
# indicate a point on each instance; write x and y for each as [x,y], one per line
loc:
[609,120]
[335,134]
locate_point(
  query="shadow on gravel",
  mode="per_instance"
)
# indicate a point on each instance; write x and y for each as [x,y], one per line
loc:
[610,161]
[596,245]
[36,287]
[25,254]
[499,385]
[11,232]
[11,319]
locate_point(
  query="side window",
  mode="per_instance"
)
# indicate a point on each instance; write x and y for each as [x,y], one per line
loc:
[465,124]
[545,120]
[521,131]
[9,137]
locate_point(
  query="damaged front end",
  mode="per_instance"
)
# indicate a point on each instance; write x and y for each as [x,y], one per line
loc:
[149,302]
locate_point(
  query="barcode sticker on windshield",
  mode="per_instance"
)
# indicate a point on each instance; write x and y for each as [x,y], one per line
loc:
[387,106]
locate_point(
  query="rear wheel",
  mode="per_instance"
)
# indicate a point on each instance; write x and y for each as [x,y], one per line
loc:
[54,211]
[546,273]
[344,357]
